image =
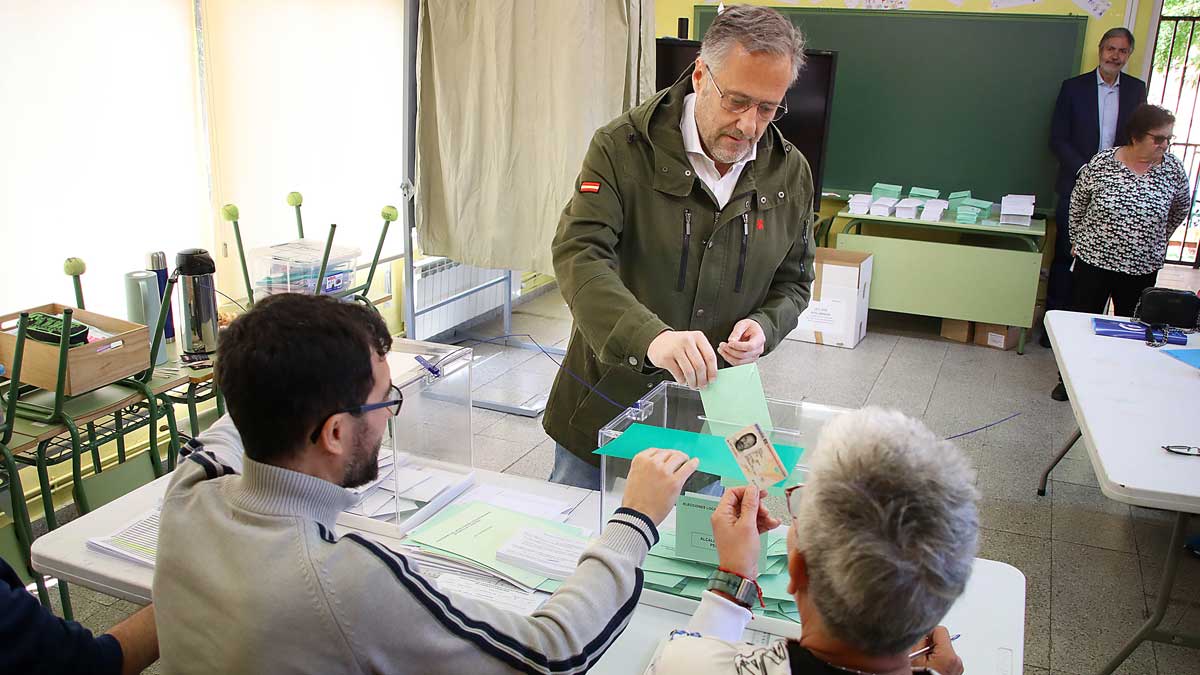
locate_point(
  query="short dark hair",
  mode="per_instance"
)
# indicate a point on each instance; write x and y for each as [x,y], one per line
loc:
[292,360]
[1119,31]
[1147,117]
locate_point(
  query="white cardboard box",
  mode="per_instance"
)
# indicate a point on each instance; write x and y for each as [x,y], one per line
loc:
[837,313]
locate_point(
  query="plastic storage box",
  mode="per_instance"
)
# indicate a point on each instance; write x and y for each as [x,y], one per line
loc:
[673,406]
[293,267]
[431,434]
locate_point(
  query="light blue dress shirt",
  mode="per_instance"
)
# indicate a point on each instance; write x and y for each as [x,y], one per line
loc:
[1109,97]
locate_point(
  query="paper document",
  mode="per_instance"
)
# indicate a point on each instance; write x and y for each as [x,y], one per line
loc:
[934,208]
[735,399]
[884,206]
[475,532]
[136,542]
[439,502]
[907,208]
[1188,356]
[551,554]
[520,501]
[493,592]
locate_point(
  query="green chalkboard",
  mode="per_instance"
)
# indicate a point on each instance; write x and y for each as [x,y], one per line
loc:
[949,100]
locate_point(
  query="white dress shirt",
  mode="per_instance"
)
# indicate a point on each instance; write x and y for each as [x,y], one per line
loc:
[1109,97]
[706,170]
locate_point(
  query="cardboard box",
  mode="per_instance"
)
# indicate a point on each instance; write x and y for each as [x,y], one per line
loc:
[837,313]
[997,336]
[89,366]
[958,330]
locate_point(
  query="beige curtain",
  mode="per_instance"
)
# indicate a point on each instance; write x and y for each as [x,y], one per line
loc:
[509,94]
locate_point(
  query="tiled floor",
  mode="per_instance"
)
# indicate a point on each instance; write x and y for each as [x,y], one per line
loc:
[1091,564]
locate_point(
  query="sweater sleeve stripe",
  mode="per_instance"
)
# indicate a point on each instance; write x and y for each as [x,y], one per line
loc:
[492,641]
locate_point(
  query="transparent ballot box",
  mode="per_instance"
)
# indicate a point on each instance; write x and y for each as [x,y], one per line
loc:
[673,416]
[293,267]
[427,454]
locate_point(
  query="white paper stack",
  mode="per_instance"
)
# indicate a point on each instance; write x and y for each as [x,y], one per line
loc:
[860,204]
[1016,210]
[550,554]
[884,206]
[907,208]
[136,542]
[934,208]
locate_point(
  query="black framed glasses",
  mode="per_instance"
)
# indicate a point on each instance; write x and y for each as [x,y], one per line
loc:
[738,104]
[394,400]
[1162,140]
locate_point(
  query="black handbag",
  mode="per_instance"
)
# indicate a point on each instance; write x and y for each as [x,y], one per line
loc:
[1163,309]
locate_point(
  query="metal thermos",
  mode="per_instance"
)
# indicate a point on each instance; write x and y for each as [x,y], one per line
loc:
[199,300]
[157,262]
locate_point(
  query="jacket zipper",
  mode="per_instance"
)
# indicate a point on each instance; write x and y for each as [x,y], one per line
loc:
[683,255]
[737,286]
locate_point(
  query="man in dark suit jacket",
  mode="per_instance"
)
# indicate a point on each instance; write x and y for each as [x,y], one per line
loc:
[1090,116]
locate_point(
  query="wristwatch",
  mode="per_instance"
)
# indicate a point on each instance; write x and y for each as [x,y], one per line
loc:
[743,591]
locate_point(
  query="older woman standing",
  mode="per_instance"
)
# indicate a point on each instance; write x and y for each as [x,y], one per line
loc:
[1126,203]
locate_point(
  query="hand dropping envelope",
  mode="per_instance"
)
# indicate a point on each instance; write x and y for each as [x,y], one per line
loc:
[756,457]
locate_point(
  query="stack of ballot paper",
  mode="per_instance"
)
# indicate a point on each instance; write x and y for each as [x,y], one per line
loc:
[860,204]
[883,206]
[553,554]
[666,572]
[885,190]
[471,536]
[933,209]
[923,194]
[1016,210]
[907,208]
[956,199]
[967,215]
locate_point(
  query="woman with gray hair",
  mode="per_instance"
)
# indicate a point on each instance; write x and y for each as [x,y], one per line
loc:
[883,537]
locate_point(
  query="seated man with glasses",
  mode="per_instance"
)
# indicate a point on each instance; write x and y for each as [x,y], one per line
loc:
[685,246]
[252,576]
[881,542]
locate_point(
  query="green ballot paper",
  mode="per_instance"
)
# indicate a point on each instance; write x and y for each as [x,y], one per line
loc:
[694,533]
[715,457]
[735,400]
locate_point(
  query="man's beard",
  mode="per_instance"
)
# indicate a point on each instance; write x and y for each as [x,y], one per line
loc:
[363,466]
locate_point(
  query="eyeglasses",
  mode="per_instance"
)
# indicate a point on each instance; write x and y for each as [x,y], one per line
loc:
[394,400]
[792,496]
[1162,140]
[738,104]
[1183,450]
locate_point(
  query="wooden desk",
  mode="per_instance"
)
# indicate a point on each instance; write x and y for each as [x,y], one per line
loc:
[993,279]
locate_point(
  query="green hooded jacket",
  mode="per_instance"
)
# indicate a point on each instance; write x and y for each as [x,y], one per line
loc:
[642,248]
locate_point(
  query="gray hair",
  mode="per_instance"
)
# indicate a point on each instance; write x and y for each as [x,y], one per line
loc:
[888,527]
[758,30]
[1119,31]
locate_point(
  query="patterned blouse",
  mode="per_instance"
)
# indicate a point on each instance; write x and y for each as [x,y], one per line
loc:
[1121,221]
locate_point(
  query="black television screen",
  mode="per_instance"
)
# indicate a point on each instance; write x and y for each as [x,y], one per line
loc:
[809,101]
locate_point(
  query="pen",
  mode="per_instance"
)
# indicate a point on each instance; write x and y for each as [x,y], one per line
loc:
[922,650]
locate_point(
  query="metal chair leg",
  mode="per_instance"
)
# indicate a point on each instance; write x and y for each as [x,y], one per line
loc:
[1054,462]
[120,429]
[173,429]
[44,483]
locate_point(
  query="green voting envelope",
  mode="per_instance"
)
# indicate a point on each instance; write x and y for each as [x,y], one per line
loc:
[694,533]
[735,400]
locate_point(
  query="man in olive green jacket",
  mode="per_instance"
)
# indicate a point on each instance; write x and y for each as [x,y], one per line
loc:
[687,242]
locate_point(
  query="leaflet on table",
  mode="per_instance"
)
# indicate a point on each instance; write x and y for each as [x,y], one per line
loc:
[1131,330]
[135,542]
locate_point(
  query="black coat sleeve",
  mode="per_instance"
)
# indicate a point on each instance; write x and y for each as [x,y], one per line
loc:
[39,643]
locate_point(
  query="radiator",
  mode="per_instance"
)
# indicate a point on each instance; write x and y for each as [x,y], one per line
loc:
[437,278]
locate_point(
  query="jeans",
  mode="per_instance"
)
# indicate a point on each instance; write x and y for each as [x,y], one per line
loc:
[571,470]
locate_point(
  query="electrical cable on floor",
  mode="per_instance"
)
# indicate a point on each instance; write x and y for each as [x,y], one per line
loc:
[986,426]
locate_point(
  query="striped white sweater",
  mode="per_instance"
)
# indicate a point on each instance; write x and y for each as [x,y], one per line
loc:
[253,578]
